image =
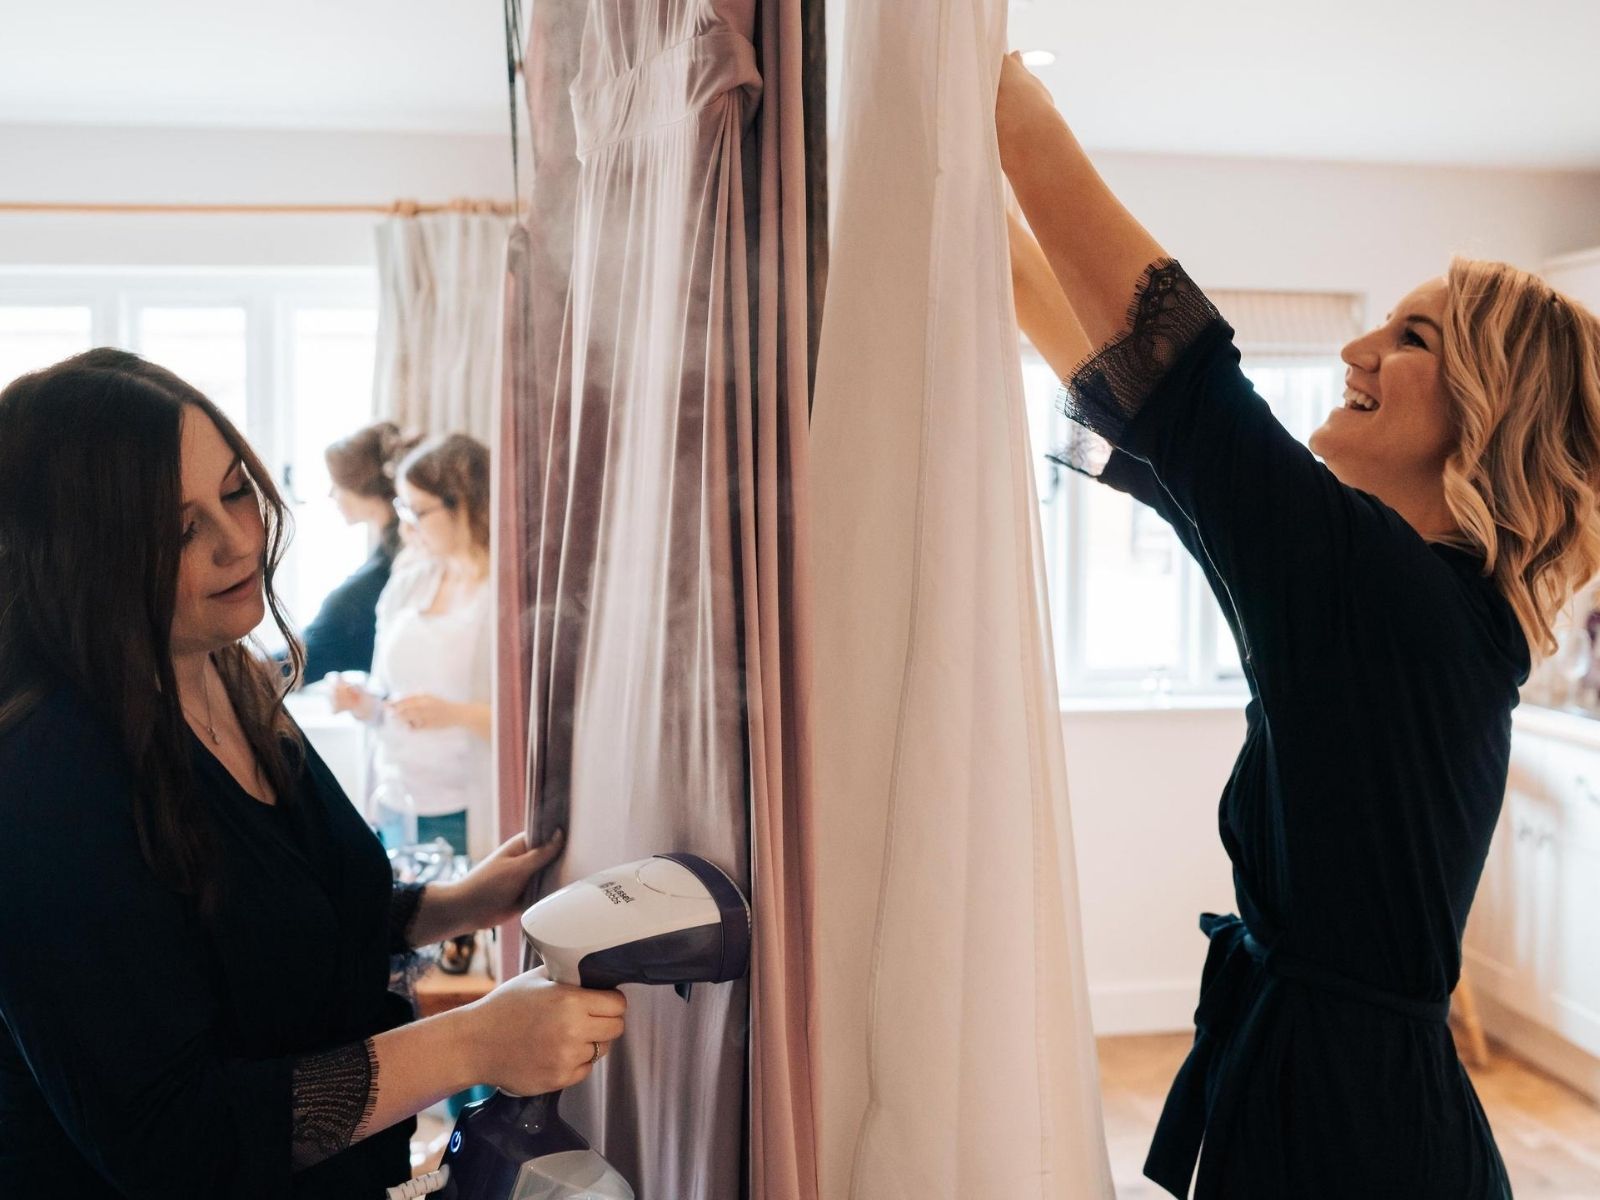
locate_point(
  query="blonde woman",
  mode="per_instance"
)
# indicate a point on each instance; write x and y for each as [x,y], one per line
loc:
[429,689]
[1387,602]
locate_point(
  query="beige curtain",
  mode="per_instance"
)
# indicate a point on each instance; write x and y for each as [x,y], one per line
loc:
[653,625]
[440,280]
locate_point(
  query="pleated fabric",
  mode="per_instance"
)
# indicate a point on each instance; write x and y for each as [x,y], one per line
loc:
[653,625]
[956,1056]
[438,352]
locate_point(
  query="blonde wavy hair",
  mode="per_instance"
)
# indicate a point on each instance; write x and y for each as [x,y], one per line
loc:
[1522,372]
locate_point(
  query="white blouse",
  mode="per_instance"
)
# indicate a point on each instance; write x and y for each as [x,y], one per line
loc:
[431,772]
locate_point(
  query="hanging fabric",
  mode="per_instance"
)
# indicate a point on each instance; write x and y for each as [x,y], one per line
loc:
[956,1056]
[653,634]
[440,281]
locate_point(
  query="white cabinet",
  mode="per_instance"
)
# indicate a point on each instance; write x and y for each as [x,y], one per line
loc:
[1533,943]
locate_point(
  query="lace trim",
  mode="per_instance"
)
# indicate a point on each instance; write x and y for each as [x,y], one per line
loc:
[404,901]
[1107,390]
[1085,452]
[335,1094]
[407,970]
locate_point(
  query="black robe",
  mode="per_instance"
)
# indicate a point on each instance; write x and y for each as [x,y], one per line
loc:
[144,1051]
[1382,671]
[341,635]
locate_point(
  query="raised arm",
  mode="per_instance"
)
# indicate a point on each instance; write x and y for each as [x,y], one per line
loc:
[1043,312]
[1275,531]
[1096,249]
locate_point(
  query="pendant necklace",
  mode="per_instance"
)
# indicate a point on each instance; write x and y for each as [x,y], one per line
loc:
[211,728]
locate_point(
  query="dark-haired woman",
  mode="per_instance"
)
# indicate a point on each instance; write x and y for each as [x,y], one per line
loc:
[361,468]
[195,939]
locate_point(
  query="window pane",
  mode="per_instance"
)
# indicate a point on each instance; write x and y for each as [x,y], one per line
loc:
[33,337]
[1132,586]
[1045,422]
[333,349]
[1228,665]
[205,347]
[1302,394]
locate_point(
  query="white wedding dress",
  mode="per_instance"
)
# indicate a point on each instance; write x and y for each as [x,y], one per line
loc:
[956,1056]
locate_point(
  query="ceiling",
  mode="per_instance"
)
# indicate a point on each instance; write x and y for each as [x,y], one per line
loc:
[1479,82]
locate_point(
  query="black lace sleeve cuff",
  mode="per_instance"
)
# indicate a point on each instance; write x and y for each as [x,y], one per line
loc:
[1084,451]
[404,901]
[1106,392]
[335,1093]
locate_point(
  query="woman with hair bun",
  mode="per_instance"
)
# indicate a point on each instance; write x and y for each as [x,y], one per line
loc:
[362,469]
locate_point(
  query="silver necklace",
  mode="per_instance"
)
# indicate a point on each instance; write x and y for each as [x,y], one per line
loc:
[210,726]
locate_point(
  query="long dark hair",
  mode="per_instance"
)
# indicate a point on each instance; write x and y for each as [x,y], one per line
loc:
[90,496]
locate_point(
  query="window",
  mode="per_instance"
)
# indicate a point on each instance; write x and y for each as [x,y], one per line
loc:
[287,355]
[332,353]
[1133,614]
[36,335]
[205,347]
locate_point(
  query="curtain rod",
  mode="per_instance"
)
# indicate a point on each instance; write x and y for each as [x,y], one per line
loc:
[400,208]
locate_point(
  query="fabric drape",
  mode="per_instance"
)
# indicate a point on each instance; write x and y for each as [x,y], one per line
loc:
[654,629]
[956,1057]
[440,282]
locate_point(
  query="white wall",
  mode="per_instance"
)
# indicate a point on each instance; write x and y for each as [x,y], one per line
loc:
[89,164]
[1144,788]
[1377,230]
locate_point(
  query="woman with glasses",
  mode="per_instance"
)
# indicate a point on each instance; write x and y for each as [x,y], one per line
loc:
[428,693]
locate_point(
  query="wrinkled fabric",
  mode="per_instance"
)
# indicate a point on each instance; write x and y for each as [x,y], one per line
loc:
[653,628]
[956,1054]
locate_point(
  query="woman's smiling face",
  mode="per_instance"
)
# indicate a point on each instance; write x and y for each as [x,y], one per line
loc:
[1395,428]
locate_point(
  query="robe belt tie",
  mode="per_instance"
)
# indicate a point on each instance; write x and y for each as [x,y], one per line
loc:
[1231,988]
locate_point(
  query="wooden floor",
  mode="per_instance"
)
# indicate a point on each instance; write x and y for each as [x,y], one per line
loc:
[1548,1134]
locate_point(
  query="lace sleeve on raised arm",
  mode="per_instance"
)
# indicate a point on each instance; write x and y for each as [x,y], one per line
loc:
[1106,392]
[404,901]
[1084,451]
[334,1094]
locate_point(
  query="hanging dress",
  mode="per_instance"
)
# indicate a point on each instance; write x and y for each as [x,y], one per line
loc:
[957,1059]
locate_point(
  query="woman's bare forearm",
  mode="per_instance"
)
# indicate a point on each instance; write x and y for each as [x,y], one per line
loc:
[420,1064]
[346,1095]
[1094,246]
[1043,313]
[478,718]
[446,911]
